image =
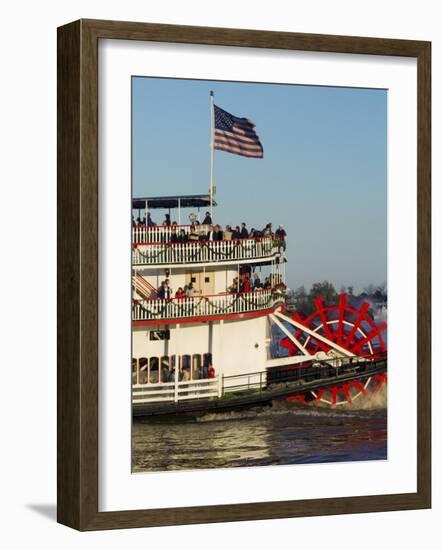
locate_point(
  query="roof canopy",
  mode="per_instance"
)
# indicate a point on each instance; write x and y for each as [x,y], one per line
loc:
[182,201]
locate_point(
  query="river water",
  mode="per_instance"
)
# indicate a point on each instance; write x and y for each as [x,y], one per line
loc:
[260,437]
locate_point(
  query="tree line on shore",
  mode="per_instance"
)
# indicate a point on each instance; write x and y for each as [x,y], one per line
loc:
[302,300]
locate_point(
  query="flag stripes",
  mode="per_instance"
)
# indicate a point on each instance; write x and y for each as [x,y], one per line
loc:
[235,135]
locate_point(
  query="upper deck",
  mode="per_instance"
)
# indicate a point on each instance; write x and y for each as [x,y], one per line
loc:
[173,243]
[202,252]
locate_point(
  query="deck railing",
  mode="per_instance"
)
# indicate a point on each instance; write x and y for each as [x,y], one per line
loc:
[163,233]
[205,306]
[180,391]
[205,251]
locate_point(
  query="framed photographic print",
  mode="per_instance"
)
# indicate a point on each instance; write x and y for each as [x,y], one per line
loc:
[240,216]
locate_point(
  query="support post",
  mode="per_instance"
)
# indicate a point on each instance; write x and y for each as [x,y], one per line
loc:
[212,151]
[219,366]
[177,363]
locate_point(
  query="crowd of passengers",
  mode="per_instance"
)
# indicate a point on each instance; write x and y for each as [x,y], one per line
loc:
[244,283]
[207,231]
[198,372]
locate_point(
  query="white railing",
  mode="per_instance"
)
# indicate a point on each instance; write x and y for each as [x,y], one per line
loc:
[206,306]
[205,251]
[180,391]
[163,233]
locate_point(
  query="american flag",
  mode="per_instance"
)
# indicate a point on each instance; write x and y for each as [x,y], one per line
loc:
[236,135]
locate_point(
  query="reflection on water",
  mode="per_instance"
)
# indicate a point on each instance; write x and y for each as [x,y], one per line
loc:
[259,437]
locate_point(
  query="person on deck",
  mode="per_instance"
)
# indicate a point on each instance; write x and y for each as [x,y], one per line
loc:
[208,219]
[174,235]
[268,230]
[167,220]
[236,233]
[281,235]
[167,290]
[180,293]
[228,233]
[244,234]
[280,232]
[190,291]
[150,221]
[246,283]
[161,292]
[193,235]
[211,234]
[182,237]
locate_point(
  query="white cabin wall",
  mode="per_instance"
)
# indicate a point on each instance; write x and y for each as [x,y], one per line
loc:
[224,276]
[238,354]
[177,277]
[232,345]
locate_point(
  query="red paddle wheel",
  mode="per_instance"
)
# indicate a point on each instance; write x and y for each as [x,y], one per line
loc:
[350,327]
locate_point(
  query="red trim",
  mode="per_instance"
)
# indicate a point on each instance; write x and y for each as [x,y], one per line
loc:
[248,315]
[168,226]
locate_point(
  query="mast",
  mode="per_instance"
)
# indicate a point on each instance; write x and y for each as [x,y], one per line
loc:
[212,151]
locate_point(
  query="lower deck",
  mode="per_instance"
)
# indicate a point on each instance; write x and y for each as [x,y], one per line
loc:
[260,388]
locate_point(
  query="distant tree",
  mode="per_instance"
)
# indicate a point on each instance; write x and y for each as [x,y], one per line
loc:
[297,299]
[324,289]
[380,292]
[369,290]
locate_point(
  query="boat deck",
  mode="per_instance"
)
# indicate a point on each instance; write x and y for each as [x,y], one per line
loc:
[264,395]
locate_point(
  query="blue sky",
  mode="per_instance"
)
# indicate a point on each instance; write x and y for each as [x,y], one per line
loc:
[323,176]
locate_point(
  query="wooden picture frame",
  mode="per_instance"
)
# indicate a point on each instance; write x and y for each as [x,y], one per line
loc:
[78,274]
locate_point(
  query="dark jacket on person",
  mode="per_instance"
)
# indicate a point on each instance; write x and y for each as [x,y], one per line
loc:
[244,233]
[207,220]
[161,292]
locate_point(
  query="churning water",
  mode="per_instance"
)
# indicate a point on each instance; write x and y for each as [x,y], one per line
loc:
[257,437]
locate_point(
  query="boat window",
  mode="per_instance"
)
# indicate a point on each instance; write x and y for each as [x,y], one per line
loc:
[153,370]
[196,373]
[143,370]
[165,369]
[185,363]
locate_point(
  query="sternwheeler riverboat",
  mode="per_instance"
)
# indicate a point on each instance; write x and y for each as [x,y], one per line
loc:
[212,329]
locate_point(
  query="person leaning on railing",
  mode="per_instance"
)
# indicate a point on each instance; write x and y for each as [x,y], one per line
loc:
[267,232]
[193,235]
[281,234]
[180,293]
[236,233]
[174,235]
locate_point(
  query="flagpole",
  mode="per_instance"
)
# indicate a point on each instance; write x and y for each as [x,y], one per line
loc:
[212,151]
